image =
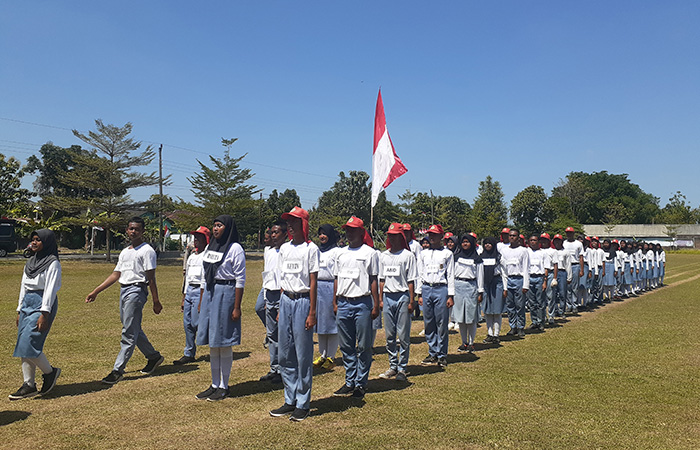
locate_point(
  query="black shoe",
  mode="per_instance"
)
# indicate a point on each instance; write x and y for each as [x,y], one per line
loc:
[495,340]
[205,393]
[540,327]
[299,414]
[533,327]
[218,394]
[512,332]
[152,365]
[49,380]
[184,360]
[25,391]
[442,362]
[113,377]
[488,340]
[429,361]
[269,376]
[345,391]
[470,348]
[462,348]
[359,392]
[282,410]
[521,332]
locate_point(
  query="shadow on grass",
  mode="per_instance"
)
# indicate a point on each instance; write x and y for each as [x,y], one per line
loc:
[334,405]
[8,417]
[379,350]
[70,390]
[418,370]
[253,387]
[417,339]
[163,370]
[462,358]
[377,385]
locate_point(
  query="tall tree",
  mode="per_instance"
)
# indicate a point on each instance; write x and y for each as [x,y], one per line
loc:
[677,211]
[14,199]
[489,214]
[348,196]
[530,211]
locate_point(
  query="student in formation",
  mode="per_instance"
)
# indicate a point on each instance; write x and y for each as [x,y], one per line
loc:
[356,303]
[537,294]
[271,294]
[136,272]
[192,294]
[564,278]
[260,301]
[662,263]
[624,281]
[326,327]
[469,290]
[397,276]
[416,248]
[36,310]
[424,243]
[551,265]
[505,240]
[298,266]
[220,314]
[516,282]
[493,303]
[436,290]
[609,271]
[596,284]
[575,249]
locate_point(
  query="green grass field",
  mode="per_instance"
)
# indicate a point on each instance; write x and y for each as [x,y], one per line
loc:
[623,376]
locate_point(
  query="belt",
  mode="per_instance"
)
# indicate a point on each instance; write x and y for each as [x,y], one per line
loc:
[465,279]
[296,295]
[274,290]
[514,276]
[141,284]
[536,275]
[226,282]
[195,285]
[574,264]
[351,299]
[435,284]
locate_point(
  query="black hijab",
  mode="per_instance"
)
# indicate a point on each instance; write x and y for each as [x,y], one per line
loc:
[222,244]
[489,270]
[467,254]
[453,239]
[41,261]
[333,236]
[611,252]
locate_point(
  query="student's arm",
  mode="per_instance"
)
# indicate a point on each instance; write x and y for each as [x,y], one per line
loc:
[311,319]
[92,296]
[411,296]
[151,277]
[375,295]
[236,314]
[381,294]
[580,264]
[335,300]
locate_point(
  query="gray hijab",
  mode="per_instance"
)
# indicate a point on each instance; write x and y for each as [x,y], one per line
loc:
[41,261]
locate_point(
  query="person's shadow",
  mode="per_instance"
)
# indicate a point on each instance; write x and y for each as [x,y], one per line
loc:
[8,417]
[334,405]
[252,387]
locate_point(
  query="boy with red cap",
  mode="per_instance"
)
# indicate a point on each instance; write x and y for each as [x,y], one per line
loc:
[575,249]
[192,293]
[397,274]
[515,261]
[436,290]
[564,277]
[504,242]
[356,303]
[551,265]
[298,265]
[415,248]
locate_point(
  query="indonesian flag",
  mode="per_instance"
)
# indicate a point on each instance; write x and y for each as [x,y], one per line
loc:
[166,232]
[386,165]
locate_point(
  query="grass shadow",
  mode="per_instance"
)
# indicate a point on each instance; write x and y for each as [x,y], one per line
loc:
[417,339]
[8,417]
[462,358]
[162,370]
[71,390]
[417,370]
[334,405]
[253,387]
[377,385]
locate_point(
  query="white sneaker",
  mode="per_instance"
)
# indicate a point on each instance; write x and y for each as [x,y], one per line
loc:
[390,373]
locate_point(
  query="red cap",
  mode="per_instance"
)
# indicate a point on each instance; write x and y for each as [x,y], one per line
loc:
[296,212]
[505,231]
[558,236]
[354,222]
[569,229]
[595,238]
[406,226]
[448,235]
[395,228]
[546,236]
[522,237]
[471,233]
[437,229]
[203,230]
[587,238]
[614,241]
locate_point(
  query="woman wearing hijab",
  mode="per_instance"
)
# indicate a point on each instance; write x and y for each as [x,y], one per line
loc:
[452,244]
[469,289]
[493,304]
[36,311]
[610,266]
[220,314]
[326,326]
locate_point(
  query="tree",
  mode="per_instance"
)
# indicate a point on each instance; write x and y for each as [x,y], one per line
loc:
[349,196]
[14,199]
[54,163]
[489,214]
[106,174]
[677,211]
[454,214]
[530,211]
[278,204]
[221,188]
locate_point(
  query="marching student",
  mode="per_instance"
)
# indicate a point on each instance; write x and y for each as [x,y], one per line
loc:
[356,303]
[272,292]
[298,270]
[192,294]
[424,243]
[260,301]
[220,314]
[649,265]
[537,294]
[516,282]
[575,249]
[326,326]
[610,268]
[493,302]
[584,282]
[452,244]
[641,265]
[135,271]
[564,277]
[505,240]
[662,264]
[469,290]
[36,310]
[416,248]
[596,282]
[397,275]
[625,265]
[551,283]
[435,290]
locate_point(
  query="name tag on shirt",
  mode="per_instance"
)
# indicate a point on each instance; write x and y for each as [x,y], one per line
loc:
[212,257]
[392,271]
[32,281]
[196,271]
[489,261]
[349,272]
[465,261]
[127,265]
[433,268]
[292,266]
[512,262]
[323,261]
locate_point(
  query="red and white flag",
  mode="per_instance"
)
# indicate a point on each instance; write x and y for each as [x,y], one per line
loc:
[386,165]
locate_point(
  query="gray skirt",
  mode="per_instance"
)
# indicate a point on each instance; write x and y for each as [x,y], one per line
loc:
[325,317]
[466,309]
[493,297]
[216,329]
[30,342]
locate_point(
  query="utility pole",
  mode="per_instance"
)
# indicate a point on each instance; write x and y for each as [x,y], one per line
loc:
[432,212]
[161,238]
[260,224]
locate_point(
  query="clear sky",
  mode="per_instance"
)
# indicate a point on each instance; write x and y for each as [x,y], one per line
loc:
[524,91]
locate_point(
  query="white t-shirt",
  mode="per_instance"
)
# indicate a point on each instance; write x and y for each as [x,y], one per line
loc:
[326,263]
[551,258]
[295,264]
[353,268]
[134,262]
[575,249]
[469,269]
[233,265]
[537,261]
[194,270]
[436,266]
[397,269]
[516,262]
[48,281]
[270,273]
[415,248]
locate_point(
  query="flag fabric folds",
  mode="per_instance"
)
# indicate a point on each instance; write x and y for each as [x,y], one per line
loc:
[386,165]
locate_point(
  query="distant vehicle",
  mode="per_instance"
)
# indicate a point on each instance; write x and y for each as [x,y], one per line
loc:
[8,238]
[28,251]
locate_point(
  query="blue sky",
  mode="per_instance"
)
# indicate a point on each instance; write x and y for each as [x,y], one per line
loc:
[524,91]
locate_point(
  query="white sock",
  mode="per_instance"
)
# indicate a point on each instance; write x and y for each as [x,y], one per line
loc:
[333,340]
[42,363]
[463,332]
[215,363]
[489,324]
[323,344]
[226,364]
[28,371]
[497,325]
[471,329]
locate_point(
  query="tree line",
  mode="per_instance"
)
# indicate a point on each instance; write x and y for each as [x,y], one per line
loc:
[78,188]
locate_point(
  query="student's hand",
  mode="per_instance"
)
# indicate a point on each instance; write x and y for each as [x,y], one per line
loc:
[182,305]
[17,320]
[91,297]
[310,321]
[450,301]
[236,314]
[420,300]
[410,306]
[544,285]
[43,323]
[590,275]
[381,304]
[580,273]
[615,274]
[525,291]
[505,293]
[555,282]
[480,298]
[375,313]
[157,306]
